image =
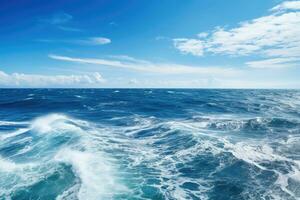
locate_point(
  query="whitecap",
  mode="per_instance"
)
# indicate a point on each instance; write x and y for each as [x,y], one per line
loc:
[13,134]
[8,123]
[95,173]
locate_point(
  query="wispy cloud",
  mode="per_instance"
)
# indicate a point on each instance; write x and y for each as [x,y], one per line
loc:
[207,82]
[274,35]
[150,67]
[36,80]
[274,63]
[70,29]
[160,37]
[287,5]
[192,46]
[60,20]
[91,41]
[113,23]
[133,82]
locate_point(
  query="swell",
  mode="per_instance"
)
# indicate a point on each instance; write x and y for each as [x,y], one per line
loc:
[55,153]
[261,125]
[190,149]
[149,158]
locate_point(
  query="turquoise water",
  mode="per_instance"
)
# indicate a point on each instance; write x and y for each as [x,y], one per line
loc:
[149,144]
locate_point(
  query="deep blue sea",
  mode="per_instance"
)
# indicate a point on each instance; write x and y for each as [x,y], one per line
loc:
[93,144]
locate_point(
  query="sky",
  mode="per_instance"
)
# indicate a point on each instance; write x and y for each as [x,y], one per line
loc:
[150,44]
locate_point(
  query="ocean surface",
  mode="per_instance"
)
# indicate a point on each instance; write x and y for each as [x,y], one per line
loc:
[93,144]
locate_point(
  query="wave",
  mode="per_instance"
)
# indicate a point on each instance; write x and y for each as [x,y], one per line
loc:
[95,174]
[265,124]
[144,157]
[178,146]
[9,123]
[13,134]
[57,140]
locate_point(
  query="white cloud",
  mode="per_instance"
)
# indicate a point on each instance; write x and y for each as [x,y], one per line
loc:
[94,41]
[179,83]
[133,82]
[85,41]
[88,60]
[211,82]
[150,67]
[287,5]
[202,35]
[37,80]
[273,63]
[256,84]
[274,35]
[192,46]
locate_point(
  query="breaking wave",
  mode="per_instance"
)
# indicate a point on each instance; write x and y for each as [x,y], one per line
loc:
[107,147]
[56,148]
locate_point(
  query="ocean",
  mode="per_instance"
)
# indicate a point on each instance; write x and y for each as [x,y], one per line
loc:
[93,144]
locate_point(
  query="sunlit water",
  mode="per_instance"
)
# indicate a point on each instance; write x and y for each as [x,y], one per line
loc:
[93,144]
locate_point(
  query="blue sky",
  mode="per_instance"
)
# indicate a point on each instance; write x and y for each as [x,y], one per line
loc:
[142,43]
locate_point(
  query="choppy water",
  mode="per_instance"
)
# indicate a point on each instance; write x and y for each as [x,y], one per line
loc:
[149,144]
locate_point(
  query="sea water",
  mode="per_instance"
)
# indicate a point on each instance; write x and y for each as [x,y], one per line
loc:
[93,144]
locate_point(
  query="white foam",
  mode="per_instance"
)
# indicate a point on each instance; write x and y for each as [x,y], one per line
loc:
[70,194]
[8,123]
[258,153]
[255,152]
[95,173]
[56,123]
[6,165]
[251,154]
[43,124]
[13,134]
[18,175]
[283,179]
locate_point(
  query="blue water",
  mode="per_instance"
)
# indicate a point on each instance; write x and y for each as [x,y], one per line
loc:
[96,144]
